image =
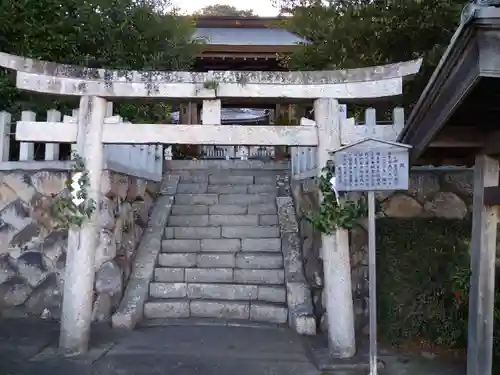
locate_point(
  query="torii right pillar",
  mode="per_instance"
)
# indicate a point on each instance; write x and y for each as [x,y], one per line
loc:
[335,246]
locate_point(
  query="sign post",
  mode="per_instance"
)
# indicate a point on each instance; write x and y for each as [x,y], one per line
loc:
[372,282]
[372,165]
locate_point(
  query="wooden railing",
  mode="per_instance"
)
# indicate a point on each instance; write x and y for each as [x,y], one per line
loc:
[142,161]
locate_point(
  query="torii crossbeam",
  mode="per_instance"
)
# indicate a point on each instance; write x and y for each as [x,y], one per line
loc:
[53,78]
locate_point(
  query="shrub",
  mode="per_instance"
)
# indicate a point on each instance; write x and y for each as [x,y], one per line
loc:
[423,282]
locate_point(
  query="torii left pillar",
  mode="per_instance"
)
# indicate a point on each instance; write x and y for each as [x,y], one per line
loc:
[79,279]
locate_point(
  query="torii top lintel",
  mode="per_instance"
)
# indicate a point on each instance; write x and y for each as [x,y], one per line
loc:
[53,78]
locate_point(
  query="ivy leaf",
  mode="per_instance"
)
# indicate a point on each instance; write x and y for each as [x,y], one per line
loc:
[64,211]
[333,214]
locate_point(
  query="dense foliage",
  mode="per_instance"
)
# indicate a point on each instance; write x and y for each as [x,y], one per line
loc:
[360,33]
[224,10]
[423,282]
[128,34]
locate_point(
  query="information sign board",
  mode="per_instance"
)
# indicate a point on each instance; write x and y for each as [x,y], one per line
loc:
[376,168]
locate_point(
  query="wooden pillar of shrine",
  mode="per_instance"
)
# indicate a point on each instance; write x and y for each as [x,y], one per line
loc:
[189,113]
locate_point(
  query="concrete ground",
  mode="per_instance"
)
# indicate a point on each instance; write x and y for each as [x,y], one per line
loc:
[29,348]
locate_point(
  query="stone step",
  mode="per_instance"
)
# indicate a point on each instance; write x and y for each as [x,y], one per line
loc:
[193,178]
[262,188]
[216,260]
[232,165]
[227,209]
[175,308]
[205,187]
[190,209]
[222,219]
[265,180]
[192,188]
[229,292]
[228,189]
[194,275]
[246,178]
[212,322]
[223,232]
[221,260]
[181,246]
[262,209]
[191,260]
[257,245]
[268,220]
[224,209]
[219,275]
[258,261]
[188,220]
[259,276]
[228,179]
[236,189]
[197,233]
[244,310]
[243,232]
[222,245]
[247,199]
[210,199]
[216,220]
[200,199]
[177,260]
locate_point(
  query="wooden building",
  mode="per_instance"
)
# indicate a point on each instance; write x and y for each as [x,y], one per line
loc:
[455,121]
[241,44]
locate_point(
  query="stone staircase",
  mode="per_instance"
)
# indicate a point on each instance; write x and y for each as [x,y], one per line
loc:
[221,253]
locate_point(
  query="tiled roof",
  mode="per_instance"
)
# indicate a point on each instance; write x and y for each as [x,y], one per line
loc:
[250,36]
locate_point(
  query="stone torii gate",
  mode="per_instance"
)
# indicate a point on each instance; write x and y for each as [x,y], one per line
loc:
[92,129]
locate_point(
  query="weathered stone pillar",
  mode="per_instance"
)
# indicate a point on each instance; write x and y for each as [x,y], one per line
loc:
[335,247]
[79,279]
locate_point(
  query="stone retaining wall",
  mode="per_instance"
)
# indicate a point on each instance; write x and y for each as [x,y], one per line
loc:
[33,251]
[444,194]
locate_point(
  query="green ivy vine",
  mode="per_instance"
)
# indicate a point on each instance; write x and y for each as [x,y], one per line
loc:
[65,212]
[334,214]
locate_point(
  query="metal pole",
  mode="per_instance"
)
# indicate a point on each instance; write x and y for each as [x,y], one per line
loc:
[372,270]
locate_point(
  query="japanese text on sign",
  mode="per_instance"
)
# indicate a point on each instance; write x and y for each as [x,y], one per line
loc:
[371,170]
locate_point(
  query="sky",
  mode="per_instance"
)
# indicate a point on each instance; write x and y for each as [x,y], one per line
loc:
[263,8]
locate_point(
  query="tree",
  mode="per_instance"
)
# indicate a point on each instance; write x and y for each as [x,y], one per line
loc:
[224,10]
[360,33]
[120,34]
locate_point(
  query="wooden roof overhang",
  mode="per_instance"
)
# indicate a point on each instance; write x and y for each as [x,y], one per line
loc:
[244,51]
[457,115]
[247,50]
[456,121]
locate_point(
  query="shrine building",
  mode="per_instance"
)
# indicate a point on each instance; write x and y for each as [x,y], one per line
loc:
[244,44]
